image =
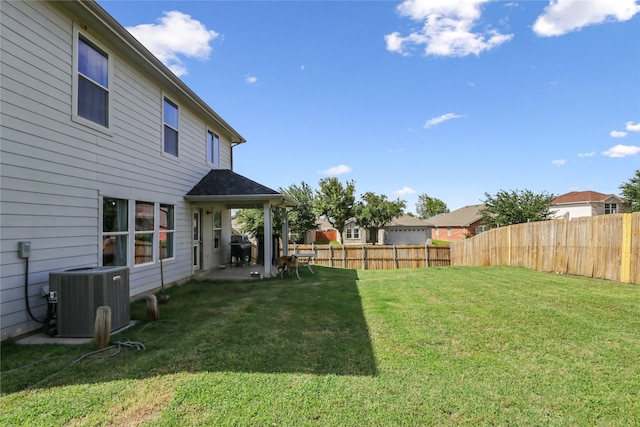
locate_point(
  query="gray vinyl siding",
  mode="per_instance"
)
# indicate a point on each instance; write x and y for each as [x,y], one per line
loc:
[54,170]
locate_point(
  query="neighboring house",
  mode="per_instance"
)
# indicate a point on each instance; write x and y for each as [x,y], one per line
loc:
[353,233]
[587,203]
[406,230]
[458,225]
[107,158]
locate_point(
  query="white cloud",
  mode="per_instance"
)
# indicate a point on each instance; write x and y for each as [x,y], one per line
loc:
[559,162]
[443,118]
[621,151]
[175,35]
[564,16]
[250,79]
[404,191]
[633,127]
[589,154]
[446,30]
[617,134]
[335,170]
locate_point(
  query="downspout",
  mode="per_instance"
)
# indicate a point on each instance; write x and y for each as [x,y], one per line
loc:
[233,144]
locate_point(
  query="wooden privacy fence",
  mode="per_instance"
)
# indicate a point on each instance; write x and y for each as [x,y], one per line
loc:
[376,257]
[603,246]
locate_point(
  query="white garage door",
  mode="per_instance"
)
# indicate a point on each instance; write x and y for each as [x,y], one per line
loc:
[401,236]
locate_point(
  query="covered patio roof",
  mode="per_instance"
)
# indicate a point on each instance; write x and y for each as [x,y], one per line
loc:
[223,186]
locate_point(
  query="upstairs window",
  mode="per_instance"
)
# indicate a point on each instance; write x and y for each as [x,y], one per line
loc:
[170,119]
[610,208]
[92,101]
[213,148]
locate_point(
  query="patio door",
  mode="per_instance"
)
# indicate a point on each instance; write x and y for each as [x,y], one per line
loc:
[197,240]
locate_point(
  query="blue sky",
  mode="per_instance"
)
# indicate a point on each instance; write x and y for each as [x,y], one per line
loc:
[449,98]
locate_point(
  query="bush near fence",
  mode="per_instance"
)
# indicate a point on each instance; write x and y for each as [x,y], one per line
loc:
[603,246]
[376,257]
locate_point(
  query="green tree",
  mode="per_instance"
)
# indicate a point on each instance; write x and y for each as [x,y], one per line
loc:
[374,211]
[515,207]
[335,202]
[302,218]
[430,206]
[630,190]
[252,221]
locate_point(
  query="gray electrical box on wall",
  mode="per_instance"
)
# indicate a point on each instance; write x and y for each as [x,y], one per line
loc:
[24,249]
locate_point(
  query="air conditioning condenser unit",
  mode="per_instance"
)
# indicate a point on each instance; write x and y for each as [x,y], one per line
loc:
[79,292]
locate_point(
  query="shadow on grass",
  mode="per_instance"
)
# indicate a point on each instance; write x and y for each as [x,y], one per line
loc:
[315,325]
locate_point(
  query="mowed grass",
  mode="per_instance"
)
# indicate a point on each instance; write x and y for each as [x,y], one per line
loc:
[436,346]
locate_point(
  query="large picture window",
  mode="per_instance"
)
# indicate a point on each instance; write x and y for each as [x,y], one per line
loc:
[170,118]
[115,231]
[92,82]
[151,226]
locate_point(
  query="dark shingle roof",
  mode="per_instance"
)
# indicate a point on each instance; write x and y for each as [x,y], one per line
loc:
[224,182]
[226,186]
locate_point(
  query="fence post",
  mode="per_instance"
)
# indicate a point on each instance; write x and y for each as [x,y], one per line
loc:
[330,255]
[395,257]
[426,254]
[364,257]
[625,271]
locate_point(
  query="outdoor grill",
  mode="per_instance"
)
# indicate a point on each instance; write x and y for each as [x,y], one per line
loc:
[240,249]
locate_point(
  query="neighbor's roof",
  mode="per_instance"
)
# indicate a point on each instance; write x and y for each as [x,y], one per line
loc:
[581,196]
[408,221]
[462,217]
[234,190]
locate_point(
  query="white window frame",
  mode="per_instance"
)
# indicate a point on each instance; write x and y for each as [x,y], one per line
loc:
[169,231]
[115,234]
[610,208]
[152,232]
[77,34]
[217,229]
[167,99]
[213,148]
[131,232]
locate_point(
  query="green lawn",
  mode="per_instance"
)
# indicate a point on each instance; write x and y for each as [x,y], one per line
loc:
[436,346]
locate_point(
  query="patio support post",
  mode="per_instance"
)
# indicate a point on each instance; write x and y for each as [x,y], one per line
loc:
[268,239]
[285,232]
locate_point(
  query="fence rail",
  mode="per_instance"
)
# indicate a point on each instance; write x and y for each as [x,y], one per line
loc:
[376,257]
[603,246]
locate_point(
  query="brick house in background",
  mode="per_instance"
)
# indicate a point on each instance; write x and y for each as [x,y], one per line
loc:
[578,204]
[458,225]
